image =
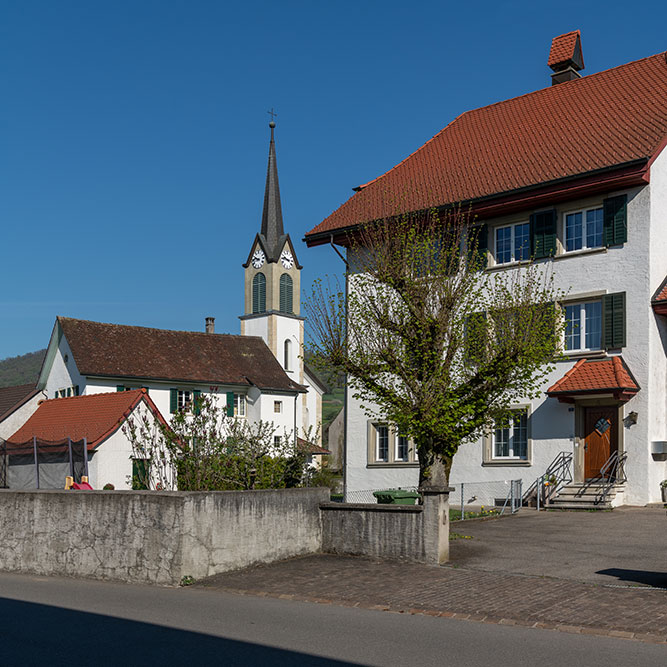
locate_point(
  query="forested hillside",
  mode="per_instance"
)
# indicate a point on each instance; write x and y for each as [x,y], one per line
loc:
[22,369]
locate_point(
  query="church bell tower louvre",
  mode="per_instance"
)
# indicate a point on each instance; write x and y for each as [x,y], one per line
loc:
[273,281]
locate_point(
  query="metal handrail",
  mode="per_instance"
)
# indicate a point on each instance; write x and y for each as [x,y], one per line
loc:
[560,469]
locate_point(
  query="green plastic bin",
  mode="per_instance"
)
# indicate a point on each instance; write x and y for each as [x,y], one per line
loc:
[396,497]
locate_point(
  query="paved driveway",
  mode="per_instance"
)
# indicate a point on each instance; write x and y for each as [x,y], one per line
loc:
[626,546]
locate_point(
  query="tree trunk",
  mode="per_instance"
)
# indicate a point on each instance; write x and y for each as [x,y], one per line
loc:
[434,468]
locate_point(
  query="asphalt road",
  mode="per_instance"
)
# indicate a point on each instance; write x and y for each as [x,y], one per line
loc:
[52,621]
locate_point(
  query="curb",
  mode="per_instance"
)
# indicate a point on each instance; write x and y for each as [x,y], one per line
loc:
[475,618]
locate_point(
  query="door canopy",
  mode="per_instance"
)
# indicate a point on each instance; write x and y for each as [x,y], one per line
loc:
[596,376]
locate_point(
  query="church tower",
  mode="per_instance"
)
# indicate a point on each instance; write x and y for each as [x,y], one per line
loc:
[273,282]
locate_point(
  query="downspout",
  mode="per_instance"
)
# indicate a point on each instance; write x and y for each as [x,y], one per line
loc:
[347,270]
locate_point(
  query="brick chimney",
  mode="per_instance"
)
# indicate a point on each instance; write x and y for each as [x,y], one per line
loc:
[566,58]
[210,325]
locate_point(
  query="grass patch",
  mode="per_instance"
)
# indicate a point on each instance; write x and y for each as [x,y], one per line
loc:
[455,515]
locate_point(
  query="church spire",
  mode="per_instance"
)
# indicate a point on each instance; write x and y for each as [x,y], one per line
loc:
[272,215]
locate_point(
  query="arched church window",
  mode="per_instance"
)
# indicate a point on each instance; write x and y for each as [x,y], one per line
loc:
[287,354]
[259,293]
[285,293]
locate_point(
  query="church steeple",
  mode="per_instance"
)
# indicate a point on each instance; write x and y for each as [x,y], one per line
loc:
[272,214]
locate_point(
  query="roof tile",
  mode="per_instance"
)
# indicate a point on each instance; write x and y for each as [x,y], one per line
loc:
[12,397]
[94,417]
[563,48]
[600,121]
[595,375]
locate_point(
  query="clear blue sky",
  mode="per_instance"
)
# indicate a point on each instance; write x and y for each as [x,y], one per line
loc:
[134,138]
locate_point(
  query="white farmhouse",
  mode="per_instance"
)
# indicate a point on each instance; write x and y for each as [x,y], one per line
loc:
[574,174]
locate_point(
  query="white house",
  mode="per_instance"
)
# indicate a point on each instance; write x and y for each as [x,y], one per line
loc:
[574,174]
[76,436]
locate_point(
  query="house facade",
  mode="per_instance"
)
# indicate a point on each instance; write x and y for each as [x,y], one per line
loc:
[576,178]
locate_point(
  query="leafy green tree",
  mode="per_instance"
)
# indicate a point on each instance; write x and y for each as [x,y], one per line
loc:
[204,450]
[428,340]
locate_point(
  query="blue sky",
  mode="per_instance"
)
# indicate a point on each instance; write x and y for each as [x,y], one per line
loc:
[134,138]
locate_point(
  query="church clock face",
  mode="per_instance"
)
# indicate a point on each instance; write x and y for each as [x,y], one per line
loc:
[287,259]
[258,258]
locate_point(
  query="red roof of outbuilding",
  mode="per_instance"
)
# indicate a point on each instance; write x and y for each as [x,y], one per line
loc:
[595,376]
[611,119]
[94,417]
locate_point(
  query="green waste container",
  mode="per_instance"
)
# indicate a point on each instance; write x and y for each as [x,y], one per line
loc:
[396,497]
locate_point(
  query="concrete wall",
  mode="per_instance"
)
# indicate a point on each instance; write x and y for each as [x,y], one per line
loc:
[394,532]
[155,538]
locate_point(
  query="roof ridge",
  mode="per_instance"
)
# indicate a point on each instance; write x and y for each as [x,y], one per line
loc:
[138,326]
[127,392]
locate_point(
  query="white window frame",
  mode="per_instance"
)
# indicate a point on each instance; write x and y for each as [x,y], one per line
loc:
[584,229]
[184,399]
[511,428]
[277,407]
[489,457]
[239,405]
[513,227]
[582,326]
[393,440]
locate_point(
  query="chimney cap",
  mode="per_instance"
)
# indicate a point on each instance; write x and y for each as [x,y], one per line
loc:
[210,325]
[566,52]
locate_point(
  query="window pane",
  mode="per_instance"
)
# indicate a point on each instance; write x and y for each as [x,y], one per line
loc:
[520,436]
[382,442]
[594,228]
[573,327]
[522,241]
[593,325]
[502,442]
[401,448]
[504,245]
[573,232]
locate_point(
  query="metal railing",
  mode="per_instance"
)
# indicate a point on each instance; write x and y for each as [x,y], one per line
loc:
[611,474]
[548,484]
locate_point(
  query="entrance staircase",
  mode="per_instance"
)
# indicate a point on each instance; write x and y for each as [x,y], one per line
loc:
[557,490]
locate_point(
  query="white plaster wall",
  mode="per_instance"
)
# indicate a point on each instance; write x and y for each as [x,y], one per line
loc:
[657,430]
[63,374]
[14,421]
[256,326]
[626,268]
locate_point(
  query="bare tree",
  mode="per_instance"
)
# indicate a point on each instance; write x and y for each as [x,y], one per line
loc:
[428,340]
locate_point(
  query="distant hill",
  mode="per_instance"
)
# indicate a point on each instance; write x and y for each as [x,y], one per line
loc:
[22,369]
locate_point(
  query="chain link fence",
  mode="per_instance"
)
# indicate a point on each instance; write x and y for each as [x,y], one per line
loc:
[468,500]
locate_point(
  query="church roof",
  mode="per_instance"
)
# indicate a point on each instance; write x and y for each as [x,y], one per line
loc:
[119,351]
[272,213]
[609,120]
[94,417]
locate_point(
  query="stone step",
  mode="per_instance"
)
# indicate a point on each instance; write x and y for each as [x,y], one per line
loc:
[565,505]
[588,493]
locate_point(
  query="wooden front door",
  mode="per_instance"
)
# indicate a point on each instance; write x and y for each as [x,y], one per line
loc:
[601,438]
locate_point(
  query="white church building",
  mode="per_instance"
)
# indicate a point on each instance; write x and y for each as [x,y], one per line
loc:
[574,175]
[259,375]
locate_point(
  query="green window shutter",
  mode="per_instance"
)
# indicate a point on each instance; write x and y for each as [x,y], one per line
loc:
[613,320]
[259,293]
[230,403]
[173,400]
[196,396]
[76,390]
[120,387]
[615,230]
[543,234]
[480,237]
[286,291]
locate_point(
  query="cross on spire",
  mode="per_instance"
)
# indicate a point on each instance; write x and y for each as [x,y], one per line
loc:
[273,114]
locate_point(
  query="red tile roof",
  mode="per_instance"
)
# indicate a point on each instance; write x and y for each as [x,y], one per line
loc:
[119,351]
[598,122]
[563,48]
[310,447]
[595,376]
[94,417]
[12,398]
[662,294]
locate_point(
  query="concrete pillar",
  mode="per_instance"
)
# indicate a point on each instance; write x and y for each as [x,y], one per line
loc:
[436,524]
